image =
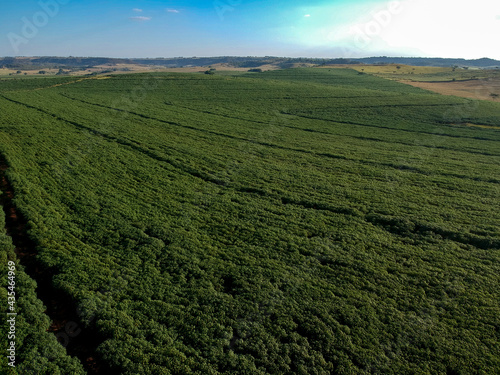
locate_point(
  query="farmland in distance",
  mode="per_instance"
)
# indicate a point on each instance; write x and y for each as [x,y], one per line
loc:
[308,221]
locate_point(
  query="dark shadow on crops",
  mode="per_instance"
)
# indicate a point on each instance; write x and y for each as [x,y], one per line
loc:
[407,228]
[79,341]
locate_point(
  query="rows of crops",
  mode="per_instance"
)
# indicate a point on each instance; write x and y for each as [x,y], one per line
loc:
[300,221]
[36,349]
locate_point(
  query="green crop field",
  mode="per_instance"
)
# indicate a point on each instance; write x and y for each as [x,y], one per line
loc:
[302,221]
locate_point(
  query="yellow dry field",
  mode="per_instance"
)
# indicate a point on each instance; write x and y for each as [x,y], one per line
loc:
[392,69]
[487,89]
[217,67]
[468,83]
[13,72]
[136,68]
[48,72]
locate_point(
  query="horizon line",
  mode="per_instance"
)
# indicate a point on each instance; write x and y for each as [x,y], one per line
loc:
[252,56]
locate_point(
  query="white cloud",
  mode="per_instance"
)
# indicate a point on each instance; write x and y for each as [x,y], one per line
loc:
[307,15]
[173,11]
[140,18]
[137,10]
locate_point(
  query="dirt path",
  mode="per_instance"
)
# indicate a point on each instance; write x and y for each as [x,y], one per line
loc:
[61,309]
[472,89]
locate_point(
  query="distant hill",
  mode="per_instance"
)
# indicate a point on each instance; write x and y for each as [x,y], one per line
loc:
[236,61]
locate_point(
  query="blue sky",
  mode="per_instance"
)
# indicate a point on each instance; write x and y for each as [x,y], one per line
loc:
[314,28]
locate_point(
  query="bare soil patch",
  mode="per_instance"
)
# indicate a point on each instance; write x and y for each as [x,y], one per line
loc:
[487,89]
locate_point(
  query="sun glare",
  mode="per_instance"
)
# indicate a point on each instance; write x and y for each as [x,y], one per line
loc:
[443,28]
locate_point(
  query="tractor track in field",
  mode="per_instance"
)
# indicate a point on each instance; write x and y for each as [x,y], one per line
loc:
[266,144]
[302,129]
[389,128]
[209,178]
[339,135]
[79,341]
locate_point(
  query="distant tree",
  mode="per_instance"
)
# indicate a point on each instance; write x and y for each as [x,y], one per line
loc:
[256,70]
[18,72]
[42,72]
[209,71]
